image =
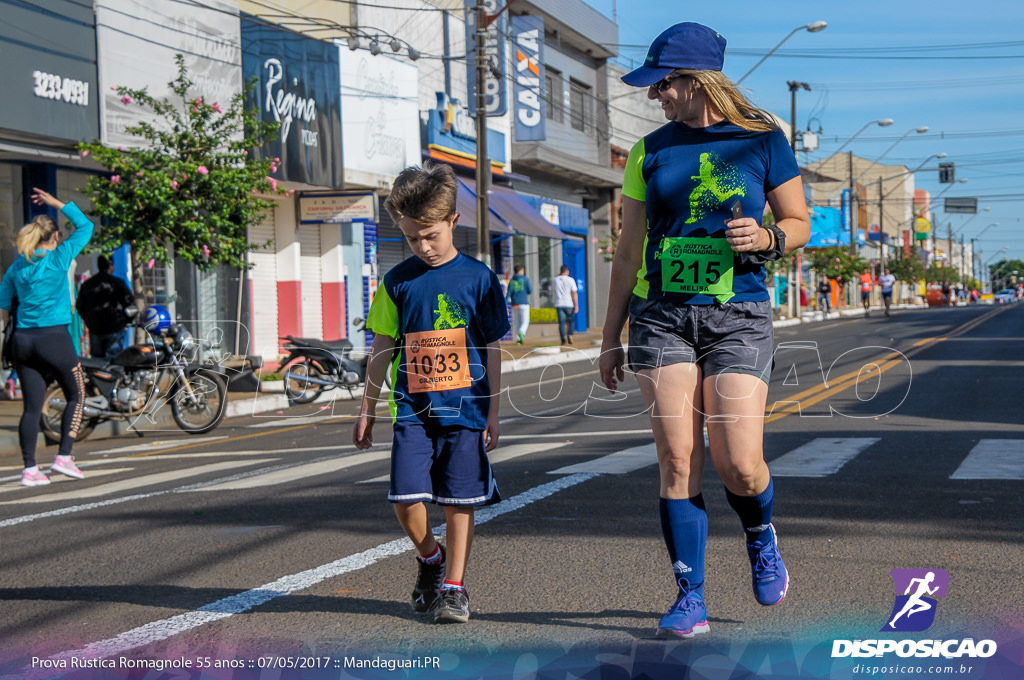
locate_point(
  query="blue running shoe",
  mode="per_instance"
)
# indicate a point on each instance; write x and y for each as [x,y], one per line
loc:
[687,617]
[770,577]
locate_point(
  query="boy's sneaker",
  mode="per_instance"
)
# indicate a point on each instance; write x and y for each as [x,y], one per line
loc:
[451,606]
[687,617]
[770,576]
[37,478]
[66,466]
[428,581]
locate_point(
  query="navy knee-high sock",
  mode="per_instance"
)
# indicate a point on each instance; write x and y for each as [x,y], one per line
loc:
[755,512]
[684,524]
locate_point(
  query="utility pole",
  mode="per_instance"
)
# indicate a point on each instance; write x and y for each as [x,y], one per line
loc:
[483,174]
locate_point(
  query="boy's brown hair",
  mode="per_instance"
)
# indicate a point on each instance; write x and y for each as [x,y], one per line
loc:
[425,195]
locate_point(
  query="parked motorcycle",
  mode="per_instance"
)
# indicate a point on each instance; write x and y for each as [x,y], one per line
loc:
[143,377]
[314,366]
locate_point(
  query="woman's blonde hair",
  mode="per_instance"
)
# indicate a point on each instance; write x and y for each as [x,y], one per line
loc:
[724,96]
[39,230]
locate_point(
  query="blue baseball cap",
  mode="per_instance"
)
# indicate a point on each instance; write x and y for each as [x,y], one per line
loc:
[685,45]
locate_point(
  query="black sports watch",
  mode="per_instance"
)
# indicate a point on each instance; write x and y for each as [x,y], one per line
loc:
[775,253]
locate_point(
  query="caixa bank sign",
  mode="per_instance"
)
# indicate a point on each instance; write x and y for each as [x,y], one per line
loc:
[914,610]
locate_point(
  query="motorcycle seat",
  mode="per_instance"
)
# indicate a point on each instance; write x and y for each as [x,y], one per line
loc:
[329,345]
[90,362]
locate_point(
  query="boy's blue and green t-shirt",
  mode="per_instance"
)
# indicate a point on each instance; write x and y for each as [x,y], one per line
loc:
[442,319]
[688,179]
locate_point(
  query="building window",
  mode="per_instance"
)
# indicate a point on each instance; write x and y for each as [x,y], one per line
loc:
[553,94]
[579,101]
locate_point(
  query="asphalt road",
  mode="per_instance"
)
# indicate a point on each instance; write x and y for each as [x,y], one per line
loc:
[273,536]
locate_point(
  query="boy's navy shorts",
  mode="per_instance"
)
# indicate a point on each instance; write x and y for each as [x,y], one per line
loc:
[737,337]
[443,465]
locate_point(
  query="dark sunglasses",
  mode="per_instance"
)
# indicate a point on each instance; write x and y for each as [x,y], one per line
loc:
[666,82]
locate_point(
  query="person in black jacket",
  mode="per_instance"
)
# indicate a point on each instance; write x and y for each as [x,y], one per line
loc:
[101,304]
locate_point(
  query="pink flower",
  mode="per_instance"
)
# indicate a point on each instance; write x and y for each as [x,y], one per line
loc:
[593,240]
[151,264]
[174,184]
[114,88]
[216,108]
[184,177]
[199,101]
[202,170]
[126,100]
[85,153]
[273,183]
[139,173]
[245,153]
[116,179]
[277,160]
[206,251]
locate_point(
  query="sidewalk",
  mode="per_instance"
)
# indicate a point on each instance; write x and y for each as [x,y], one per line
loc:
[533,353]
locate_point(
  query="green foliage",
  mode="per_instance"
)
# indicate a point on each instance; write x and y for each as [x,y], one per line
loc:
[190,188]
[909,269]
[836,263]
[938,273]
[1006,273]
[543,315]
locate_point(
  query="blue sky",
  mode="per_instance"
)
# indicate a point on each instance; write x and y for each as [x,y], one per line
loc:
[956,67]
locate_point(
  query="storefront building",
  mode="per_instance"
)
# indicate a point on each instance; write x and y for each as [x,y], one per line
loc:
[51,96]
[297,282]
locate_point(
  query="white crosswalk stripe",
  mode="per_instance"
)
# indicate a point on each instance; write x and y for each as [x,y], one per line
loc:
[993,459]
[821,457]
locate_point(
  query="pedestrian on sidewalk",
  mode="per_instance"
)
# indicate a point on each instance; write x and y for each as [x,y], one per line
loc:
[102,301]
[886,281]
[825,295]
[42,345]
[565,294]
[443,314]
[689,275]
[519,290]
[867,282]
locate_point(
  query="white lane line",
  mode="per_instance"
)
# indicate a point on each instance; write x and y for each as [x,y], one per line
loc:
[157,631]
[499,455]
[618,463]
[993,459]
[57,478]
[574,435]
[133,483]
[297,472]
[819,458]
[284,422]
[162,444]
[59,512]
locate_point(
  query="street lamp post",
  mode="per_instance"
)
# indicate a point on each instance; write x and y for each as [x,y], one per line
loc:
[881,122]
[984,267]
[812,27]
[976,238]
[882,196]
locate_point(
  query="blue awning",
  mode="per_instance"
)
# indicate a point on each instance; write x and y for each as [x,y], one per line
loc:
[522,216]
[465,204]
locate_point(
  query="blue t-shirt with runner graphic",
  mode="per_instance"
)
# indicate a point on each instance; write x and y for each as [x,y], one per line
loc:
[688,179]
[442,319]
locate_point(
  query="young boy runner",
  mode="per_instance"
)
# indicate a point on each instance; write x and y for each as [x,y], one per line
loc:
[437,317]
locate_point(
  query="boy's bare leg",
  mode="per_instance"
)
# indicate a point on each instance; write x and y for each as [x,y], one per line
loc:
[459,540]
[414,520]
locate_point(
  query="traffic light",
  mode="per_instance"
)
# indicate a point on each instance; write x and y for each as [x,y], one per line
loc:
[947,173]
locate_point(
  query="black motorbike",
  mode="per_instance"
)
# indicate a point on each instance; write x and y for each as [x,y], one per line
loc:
[313,366]
[139,381]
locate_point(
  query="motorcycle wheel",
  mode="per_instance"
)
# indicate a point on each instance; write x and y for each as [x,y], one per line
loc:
[50,420]
[300,391]
[206,410]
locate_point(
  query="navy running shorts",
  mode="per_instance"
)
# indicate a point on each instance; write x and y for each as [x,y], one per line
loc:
[443,465]
[737,337]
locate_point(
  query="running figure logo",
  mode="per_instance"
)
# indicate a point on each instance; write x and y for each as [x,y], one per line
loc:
[449,314]
[915,608]
[719,182]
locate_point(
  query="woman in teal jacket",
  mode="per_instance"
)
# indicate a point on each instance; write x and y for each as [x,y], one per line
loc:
[42,346]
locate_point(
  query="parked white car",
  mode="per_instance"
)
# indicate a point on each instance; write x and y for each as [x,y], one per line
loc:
[1005,296]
